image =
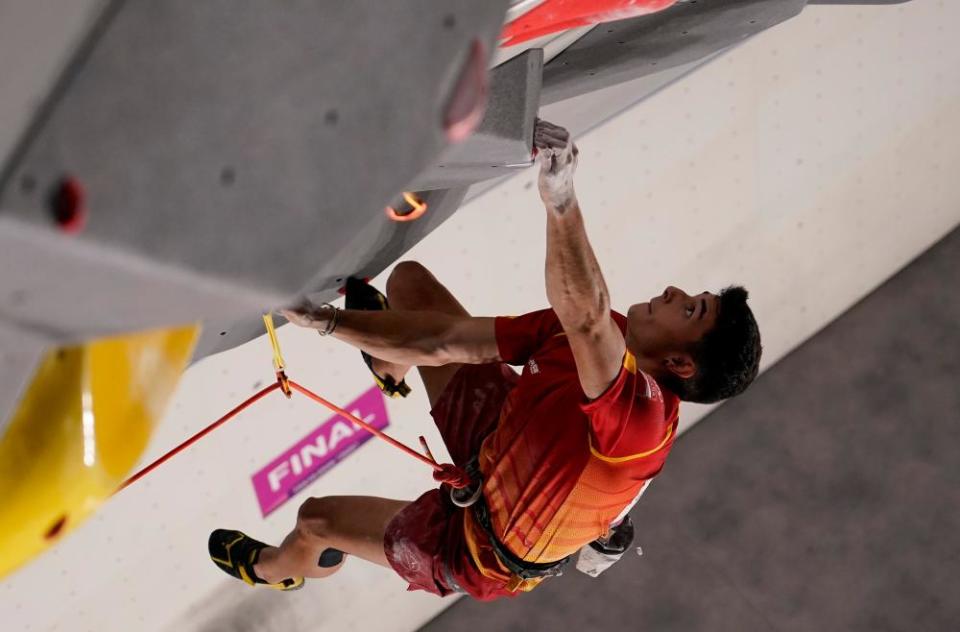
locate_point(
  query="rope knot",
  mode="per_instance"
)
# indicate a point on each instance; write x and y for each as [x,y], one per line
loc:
[284,383]
[452,475]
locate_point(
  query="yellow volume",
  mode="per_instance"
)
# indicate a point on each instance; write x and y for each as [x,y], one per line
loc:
[81,425]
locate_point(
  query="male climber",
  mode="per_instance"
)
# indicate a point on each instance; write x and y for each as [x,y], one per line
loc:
[559,453]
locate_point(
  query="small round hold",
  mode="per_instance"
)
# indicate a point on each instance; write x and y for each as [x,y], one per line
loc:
[68,205]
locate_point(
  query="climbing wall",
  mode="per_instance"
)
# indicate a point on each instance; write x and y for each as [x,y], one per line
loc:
[809,164]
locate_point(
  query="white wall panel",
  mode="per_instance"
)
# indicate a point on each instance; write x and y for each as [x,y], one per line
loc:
[809,164]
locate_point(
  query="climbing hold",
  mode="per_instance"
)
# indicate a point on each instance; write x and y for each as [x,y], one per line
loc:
[418,208]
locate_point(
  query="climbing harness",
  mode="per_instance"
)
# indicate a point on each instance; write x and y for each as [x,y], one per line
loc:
[519,568]
[472,496]
[443,472]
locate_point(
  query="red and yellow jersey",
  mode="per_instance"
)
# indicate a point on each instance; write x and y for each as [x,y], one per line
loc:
[559,468]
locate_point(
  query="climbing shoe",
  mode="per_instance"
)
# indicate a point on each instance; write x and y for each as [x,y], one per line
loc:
[361,295]
[236,554]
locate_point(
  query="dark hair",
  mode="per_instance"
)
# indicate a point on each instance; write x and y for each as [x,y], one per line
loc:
[727,357]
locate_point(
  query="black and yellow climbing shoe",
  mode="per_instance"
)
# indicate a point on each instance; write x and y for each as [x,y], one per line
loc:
[236,553]
[361,295]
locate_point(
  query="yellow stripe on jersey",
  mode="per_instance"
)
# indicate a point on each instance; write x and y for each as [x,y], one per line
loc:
[639,455]
[629,362]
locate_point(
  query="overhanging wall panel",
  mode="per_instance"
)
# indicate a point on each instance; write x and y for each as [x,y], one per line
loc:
[212,136]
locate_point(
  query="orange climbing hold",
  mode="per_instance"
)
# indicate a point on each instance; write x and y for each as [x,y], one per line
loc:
[418,206]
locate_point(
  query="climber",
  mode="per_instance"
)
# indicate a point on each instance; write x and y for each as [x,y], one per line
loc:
[558,454]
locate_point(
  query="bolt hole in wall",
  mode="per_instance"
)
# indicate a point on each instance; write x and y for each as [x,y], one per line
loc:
[331,117]
[56,528]
[228,176]
[66,203]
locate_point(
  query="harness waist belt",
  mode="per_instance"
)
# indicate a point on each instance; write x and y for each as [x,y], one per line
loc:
[520,568]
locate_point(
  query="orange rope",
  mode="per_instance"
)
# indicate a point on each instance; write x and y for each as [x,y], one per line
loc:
[374,431]
[444,472]
[186,444]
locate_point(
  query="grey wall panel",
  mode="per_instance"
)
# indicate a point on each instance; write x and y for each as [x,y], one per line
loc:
[621,51]
[235,140]
[363,254]
[20,353]
[37,40]
[68,290]
[504,140]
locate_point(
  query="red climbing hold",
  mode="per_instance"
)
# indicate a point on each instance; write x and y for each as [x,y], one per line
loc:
[559,15]
[69,206]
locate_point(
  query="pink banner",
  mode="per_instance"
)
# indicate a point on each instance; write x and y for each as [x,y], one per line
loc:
[317,452]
